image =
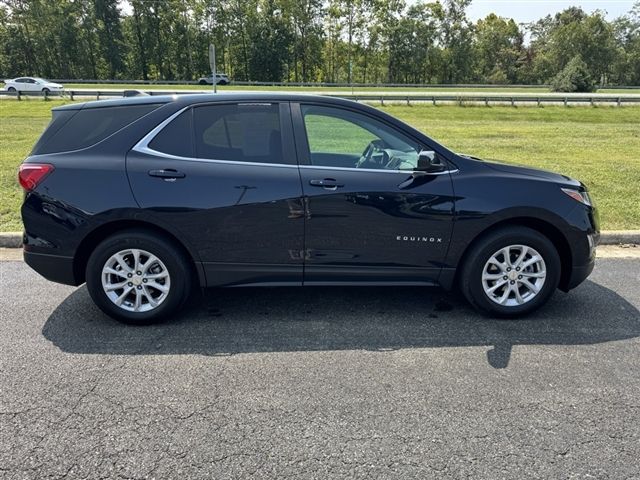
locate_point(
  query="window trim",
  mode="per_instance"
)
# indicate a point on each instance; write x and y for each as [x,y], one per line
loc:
[287,138]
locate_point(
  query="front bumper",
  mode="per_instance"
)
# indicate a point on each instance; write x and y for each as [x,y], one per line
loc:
[52,267]
[579,275]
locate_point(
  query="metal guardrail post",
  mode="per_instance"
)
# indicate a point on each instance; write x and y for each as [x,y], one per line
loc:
[538,100]
[408,103]
[433,99]
[71,95]
[46,95]
[619,101]
[382,101]
[565,101]
[19,96]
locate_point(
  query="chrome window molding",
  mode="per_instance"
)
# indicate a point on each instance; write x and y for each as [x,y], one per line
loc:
[143,147]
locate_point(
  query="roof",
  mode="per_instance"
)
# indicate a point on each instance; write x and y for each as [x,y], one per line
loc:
[188,99]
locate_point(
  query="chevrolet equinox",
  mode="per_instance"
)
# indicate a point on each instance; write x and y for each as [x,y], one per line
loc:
[143,198]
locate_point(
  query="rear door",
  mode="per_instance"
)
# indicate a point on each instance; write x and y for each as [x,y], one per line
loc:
[368,218]
[225,176]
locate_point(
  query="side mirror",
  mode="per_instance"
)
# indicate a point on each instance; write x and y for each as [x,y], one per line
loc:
[430,162]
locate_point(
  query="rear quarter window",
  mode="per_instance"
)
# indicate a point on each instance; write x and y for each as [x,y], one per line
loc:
[88,127]
[176,138]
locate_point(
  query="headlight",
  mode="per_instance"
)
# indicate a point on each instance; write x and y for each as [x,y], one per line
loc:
[580,196]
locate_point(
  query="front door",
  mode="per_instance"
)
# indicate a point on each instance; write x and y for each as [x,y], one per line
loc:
[225,177]
[369,218]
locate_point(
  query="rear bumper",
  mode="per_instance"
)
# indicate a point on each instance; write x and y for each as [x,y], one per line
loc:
[52,267]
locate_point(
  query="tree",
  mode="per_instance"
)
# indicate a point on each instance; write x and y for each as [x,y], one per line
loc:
[575,77]
[499,50]
[458,41]
[572,32]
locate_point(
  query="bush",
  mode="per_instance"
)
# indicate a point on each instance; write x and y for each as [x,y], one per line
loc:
[575,77]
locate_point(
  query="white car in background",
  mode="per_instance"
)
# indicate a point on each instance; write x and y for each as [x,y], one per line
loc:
[32,84]
[221,79]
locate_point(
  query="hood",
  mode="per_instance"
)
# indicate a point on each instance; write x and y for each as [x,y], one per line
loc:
[530,172]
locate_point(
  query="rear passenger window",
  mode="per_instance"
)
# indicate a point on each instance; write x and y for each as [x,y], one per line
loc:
[92,125]
[176,138]
[240,132]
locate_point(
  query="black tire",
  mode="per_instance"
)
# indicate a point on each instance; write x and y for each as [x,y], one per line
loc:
[176,262]
[46,90]
[11,89]
[471,282]
[202,82]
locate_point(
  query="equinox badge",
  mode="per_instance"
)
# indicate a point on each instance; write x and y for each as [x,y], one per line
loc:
[406,238]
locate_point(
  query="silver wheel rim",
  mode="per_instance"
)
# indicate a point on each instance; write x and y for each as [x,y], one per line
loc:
[135,280]
[514,275]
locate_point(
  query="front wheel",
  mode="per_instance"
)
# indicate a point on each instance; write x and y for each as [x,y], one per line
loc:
[511,272]
[11,89]
[202,82]
[138,277]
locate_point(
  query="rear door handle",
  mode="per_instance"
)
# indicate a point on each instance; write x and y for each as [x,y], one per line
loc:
[167,174]
[326,183]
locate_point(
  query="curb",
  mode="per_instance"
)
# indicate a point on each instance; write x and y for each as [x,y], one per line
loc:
[11,240]
[612,237]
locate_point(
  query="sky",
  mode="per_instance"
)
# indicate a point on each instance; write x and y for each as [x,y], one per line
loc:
[525,11]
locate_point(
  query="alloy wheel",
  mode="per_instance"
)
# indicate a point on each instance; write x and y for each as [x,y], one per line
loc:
[514,275]
[135,280]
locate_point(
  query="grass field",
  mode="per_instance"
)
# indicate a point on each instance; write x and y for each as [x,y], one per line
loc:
[598,145]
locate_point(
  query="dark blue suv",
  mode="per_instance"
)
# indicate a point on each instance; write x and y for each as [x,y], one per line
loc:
[145,197]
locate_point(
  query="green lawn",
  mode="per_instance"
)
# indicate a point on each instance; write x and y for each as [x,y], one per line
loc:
[598,145]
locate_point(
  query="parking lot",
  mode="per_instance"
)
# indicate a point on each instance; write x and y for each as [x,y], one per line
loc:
[391,382]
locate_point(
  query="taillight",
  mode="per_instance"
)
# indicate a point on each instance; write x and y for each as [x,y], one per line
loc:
[31,174]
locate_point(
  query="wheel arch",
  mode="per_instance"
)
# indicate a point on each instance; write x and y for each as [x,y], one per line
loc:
[546,228]
[97,235]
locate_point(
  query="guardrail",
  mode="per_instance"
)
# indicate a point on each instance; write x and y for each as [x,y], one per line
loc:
[325,84]
[372,98]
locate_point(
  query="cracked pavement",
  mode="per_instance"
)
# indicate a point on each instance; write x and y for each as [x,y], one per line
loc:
[391,382]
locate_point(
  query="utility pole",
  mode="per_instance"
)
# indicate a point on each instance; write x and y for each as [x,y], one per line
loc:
[212,64]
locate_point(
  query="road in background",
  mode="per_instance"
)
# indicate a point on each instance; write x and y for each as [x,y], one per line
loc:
[391,382]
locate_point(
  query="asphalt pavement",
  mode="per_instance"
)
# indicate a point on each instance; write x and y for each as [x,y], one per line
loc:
[392,382]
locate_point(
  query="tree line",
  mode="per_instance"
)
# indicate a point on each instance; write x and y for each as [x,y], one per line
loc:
[363,41]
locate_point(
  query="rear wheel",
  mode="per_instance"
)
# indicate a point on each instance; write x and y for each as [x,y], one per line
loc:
[511,272]
[137,277]
[202,82]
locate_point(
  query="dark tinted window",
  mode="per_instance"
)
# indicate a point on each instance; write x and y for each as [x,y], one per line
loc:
[241,132]
[176,138]
[90,126]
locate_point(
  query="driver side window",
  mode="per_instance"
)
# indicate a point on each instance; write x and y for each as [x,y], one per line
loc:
[341,138]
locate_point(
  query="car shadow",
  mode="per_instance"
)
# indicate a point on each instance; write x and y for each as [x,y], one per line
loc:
[249,320]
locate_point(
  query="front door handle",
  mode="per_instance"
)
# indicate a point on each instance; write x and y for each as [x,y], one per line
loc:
[326,183]
[168,174]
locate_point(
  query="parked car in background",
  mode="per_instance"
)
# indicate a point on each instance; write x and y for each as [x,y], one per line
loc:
[32,84]
[143,197]
[221,79]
